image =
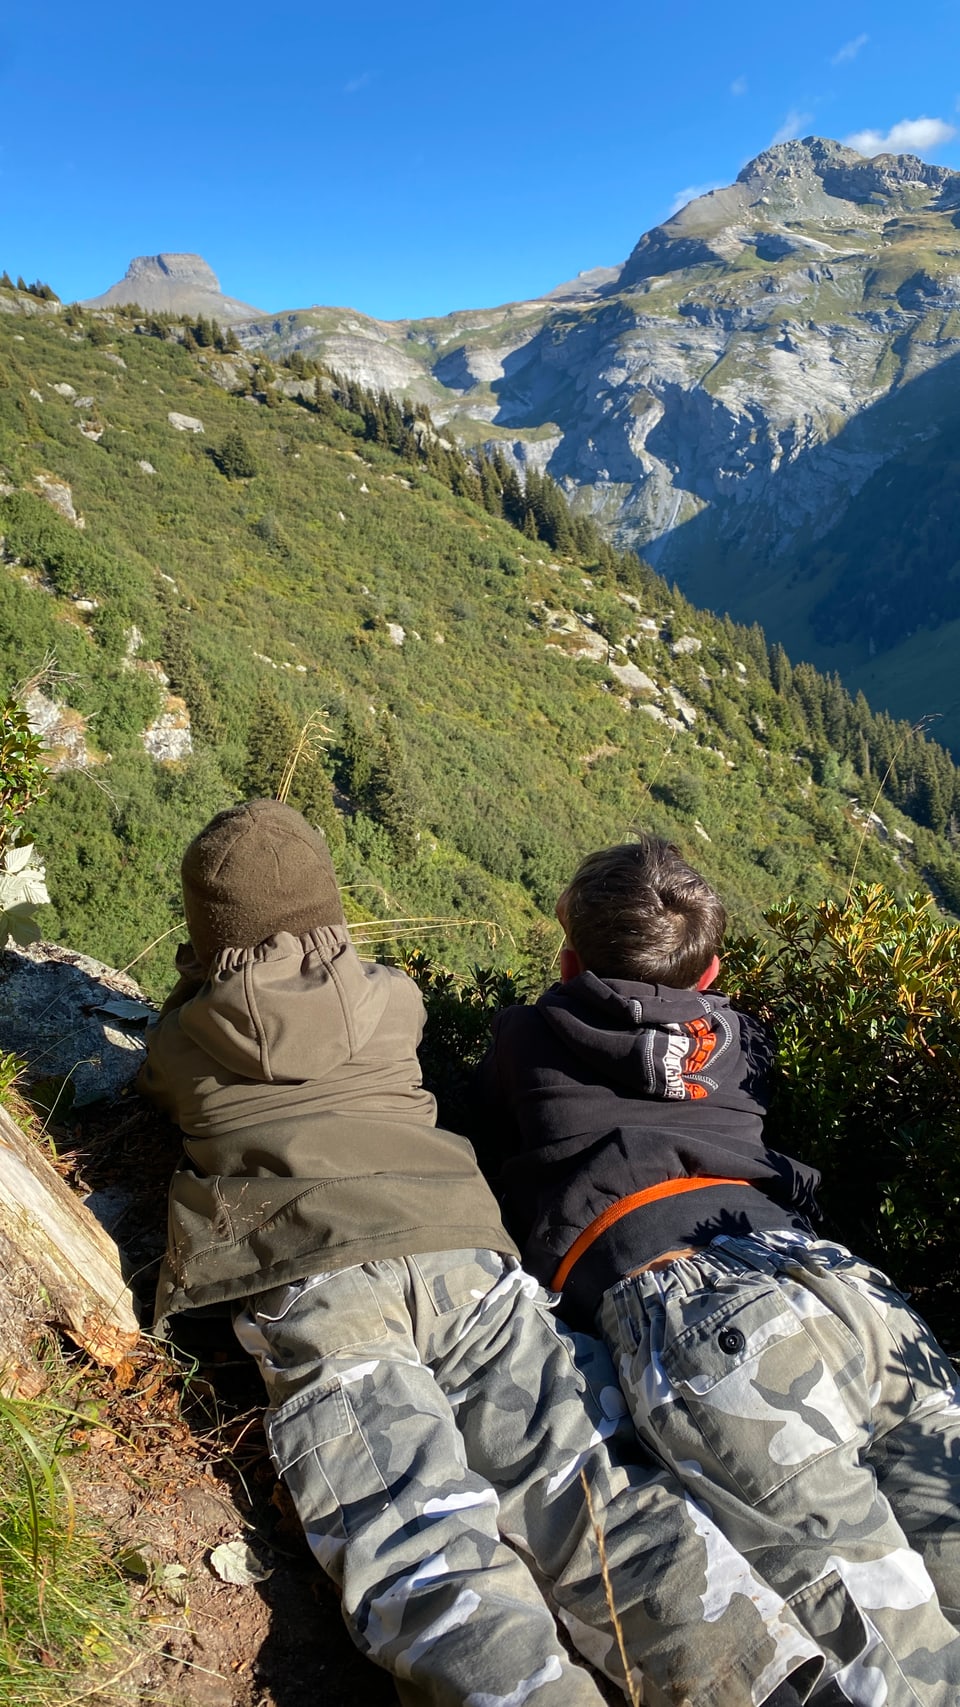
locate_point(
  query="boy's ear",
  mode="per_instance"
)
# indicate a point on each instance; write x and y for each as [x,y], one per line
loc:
[571,965]
[707,977]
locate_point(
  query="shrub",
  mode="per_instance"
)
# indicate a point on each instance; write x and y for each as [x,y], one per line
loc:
[235,458]
[864,1000]
[22,772]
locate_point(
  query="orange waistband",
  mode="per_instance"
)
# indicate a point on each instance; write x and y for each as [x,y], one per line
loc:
[624,1206]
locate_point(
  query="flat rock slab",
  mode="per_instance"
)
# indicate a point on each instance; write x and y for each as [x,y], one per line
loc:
[69,1017]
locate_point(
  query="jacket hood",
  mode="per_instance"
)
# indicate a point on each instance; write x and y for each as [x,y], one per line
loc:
[295,1028]
[293,1008]
[675,1045]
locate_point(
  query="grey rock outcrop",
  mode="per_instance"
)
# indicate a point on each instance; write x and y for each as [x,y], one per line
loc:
[71,1018]
[633,679]
[58,493]
[62,730]
[169,737]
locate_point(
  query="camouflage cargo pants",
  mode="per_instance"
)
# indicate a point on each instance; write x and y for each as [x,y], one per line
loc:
[423,1409]
[795,1393]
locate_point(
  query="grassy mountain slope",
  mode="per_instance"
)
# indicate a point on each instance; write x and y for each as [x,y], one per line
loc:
[476,757]
[741,403]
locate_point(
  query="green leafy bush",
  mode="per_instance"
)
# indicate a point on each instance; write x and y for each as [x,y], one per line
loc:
[864,1000]
[22,782]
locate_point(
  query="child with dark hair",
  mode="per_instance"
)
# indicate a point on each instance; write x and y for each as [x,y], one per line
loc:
[423,1405]
[788,1386]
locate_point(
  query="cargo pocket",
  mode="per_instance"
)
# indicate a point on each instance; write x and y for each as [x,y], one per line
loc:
[831,1616]
[320,1317]
[455,1279]
[319,1450]
[756,1386]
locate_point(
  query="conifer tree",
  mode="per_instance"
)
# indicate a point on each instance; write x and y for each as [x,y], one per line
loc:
[188,680]
[353,756]
[273,735]
[235,459]
[391,796]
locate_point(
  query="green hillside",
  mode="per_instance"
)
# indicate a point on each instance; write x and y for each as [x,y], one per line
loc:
[286,564]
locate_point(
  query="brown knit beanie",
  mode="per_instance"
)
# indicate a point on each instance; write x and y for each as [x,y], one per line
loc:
[256,869]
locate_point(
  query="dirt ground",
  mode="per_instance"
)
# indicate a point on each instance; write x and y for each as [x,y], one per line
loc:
[178,1478]
[174,1463]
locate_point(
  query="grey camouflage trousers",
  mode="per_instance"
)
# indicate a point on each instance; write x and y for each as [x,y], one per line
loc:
[795,1393]
[423,1409]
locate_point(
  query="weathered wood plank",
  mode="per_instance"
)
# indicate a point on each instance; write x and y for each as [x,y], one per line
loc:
[57,1245]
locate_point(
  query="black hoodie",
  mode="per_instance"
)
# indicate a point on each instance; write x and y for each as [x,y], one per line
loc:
[605,1088]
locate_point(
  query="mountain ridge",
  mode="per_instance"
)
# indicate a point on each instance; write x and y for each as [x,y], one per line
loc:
[492,690]
[713,402]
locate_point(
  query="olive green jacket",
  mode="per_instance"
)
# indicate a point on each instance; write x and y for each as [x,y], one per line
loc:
[310,1141]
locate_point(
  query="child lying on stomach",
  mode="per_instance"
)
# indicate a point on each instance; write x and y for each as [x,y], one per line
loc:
[422,1403]
[787,1385]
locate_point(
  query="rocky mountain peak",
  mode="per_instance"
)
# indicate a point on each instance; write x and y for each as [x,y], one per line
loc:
[174,284]
[816,183]
[189,269]
[843,173]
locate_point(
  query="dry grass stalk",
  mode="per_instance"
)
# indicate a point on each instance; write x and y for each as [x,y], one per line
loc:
[314,735]
[918,728]
[633,1691]
[367,932]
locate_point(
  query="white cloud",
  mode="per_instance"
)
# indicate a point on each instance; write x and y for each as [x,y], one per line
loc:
[849,50]
[793,125]
[738,86]
[357,83]
[910,136]
[690,194]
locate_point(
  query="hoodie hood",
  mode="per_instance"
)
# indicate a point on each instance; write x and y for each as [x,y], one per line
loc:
[294,1007]
[670,1045]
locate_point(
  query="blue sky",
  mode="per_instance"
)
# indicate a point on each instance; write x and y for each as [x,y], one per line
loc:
[409,160]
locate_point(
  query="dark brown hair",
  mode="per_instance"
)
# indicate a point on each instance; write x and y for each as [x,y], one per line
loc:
[639,911]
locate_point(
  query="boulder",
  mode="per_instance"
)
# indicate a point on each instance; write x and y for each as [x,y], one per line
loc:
[184,423]
[71,1018]
[634,680]
[59,494]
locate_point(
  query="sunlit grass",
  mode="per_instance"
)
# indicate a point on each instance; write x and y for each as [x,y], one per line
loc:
[63,1607]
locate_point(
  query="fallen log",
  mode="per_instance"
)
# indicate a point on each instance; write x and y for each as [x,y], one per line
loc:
[58,1264]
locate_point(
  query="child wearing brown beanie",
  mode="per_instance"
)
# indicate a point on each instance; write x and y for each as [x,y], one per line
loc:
[422,1403]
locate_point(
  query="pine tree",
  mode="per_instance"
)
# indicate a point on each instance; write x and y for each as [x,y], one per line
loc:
[274,733]
[311,792]
[391,796]
[235,459]
[188,680]
[353,756]
[781,674]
